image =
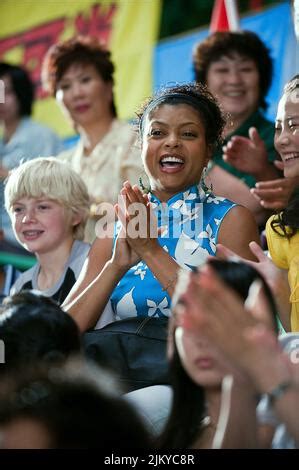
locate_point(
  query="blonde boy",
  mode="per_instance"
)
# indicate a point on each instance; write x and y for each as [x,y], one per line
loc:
[48,204]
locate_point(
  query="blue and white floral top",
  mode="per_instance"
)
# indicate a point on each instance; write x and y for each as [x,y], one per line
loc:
[189,224]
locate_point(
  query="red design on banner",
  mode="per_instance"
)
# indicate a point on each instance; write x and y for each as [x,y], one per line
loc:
[36,41]
[99,24]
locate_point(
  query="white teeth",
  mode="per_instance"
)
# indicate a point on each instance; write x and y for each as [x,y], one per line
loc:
[170,159]
[32,232]
[291,156]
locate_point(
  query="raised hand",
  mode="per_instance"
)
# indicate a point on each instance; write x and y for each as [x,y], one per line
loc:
[248,154]
[264,265]
[210,306]
[276,278]
[138,220]
[275,194]
[123,255]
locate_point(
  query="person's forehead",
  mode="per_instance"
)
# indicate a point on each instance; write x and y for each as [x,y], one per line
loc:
[232,56]
[288,106]
[78,68]
[171,109]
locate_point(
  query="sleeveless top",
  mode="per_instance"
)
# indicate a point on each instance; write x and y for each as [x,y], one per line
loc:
[189,223]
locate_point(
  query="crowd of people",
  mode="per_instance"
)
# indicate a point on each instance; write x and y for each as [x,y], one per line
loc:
[167,222]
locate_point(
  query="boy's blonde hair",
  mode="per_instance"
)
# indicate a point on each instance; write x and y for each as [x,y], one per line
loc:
[53,179]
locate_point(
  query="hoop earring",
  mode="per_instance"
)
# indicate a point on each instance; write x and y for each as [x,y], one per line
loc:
[208,188]
[144,189]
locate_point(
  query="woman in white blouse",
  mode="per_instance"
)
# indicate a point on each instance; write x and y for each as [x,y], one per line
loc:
[79,72]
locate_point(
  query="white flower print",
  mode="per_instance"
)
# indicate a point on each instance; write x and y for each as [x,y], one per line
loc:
[140,273]
[208,233]
[154,308]
[189,196]
[140,270]
[164,231]
[188,252]
[193,214]
[214,199]
[154,204]
[184,208]
[126,306]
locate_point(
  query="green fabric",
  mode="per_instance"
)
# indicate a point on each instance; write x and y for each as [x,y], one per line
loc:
[19,261]
[266,131]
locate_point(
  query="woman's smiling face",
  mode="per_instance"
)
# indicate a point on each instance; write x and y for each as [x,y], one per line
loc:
[286,140]
[174,148]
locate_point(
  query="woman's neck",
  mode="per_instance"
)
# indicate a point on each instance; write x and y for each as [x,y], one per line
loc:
[213,399]
[206,433]
[93,133]
[234,122]
[165,195]
[52,264]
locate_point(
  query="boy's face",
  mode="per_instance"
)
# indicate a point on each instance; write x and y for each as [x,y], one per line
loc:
[40,225]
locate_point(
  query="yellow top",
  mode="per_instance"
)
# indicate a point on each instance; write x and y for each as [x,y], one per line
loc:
[285,254]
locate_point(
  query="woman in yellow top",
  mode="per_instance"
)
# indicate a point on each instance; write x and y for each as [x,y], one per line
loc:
[282,229]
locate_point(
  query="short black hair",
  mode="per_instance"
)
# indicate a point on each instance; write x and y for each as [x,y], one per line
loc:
[22,86]
[34,328]
[195,95]
[79,404]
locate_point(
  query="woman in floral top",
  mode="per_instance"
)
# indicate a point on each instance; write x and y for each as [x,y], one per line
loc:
[177,224]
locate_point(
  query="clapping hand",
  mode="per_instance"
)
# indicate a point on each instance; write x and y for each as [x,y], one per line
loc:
[138,220]
[213,308]
[247,154]
[264,265]
[275,194]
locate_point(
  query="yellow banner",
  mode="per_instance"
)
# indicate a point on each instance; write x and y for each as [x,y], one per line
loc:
[128,27]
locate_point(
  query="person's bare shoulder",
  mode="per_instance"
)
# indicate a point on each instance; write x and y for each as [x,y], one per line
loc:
[237,230]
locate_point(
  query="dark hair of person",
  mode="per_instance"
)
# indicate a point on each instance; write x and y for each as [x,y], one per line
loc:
[244,43]
[34,328]
[79,404]
[22,86]
[188,406]
[195,95]
[286,223]
[83,50]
